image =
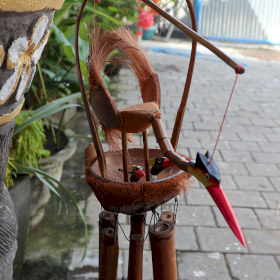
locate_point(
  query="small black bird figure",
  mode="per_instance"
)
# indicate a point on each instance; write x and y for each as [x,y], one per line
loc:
[137,173]
[159,164]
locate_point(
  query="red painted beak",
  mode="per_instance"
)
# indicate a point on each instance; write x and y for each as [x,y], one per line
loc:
[139,173]
[222,202]
[167,162]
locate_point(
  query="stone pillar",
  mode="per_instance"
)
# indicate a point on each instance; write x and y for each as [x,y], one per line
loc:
[24,31]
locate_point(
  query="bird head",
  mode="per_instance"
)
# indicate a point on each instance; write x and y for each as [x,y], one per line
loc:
[159,164]
[137,171]
[204,171]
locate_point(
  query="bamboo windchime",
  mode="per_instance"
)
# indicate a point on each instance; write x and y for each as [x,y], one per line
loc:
[165,173]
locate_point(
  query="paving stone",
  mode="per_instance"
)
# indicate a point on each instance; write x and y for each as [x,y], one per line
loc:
[209,126]
[202,265]
[256,183]
[88,268]
[258,129]
[147,265]
[218,240]
[238,120]
[199,197]
[195,216]
[272,137]
[245,199]
[261,169]
[255,267]
[234,127]
[271,147]
[263,122]
[245,146]
[185,239]
[189,143]
[225,135]
[93,208]
[191,134]
[272,199]
[262,241]
[187,125]
[255,137]
[232,168]
[236,156]
[227,182]
[266,157]
[245,216]
[275,182]
[270,219]
[210,144]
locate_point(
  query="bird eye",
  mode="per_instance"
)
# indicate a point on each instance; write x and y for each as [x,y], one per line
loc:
[159,160]
[207,176]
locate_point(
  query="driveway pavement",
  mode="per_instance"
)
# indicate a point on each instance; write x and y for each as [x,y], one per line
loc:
[248,155]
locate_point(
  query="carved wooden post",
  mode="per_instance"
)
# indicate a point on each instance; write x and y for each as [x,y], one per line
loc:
[24,31]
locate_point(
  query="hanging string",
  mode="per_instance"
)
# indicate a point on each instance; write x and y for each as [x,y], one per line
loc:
[176,205]
[209,161]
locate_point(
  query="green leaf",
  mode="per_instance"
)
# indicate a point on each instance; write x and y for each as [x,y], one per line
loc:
[84,70]
[58,16]
[45,182]
[99,13]
[45,153]
[41,115]
[69,51]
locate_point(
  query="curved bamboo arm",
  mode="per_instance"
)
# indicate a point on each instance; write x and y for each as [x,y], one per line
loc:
[91,121]
[239,69]
[182,108]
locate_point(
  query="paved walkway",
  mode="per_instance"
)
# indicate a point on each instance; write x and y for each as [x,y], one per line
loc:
[248,155]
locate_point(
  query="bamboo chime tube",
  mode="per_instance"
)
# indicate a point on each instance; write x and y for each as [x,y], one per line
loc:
[168,216]
[196,36]
[106,220]
[146,155]
[109,255]
[162,238]
[137,224]
[135,262]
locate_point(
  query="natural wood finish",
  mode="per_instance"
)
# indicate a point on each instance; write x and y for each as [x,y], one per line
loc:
[137,225]
[182,108]
[109,255]
[106,220]
[168,216]
[125,156]
[135,262]
[194,35]
[102,105]
[146,155]
[91,121]
[162,237]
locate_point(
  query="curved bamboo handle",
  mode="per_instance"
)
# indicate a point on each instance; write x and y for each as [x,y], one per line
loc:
[239,69]
[91,121]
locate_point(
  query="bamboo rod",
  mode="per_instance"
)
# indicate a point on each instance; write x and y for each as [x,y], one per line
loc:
[137,225]
[125,156]
[168,216]
[146,155]
[135,262]
[240,69]
[162,238]
[109,255]
[106,220]
[91,121]
[182,108]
